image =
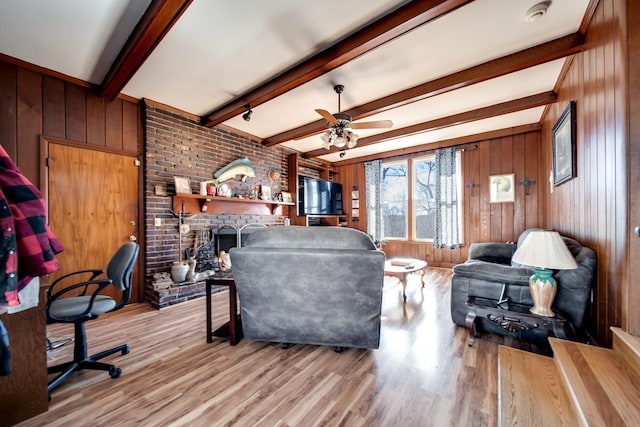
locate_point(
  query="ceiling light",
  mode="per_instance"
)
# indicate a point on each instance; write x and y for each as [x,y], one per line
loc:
[340,125]
[352,139]
[247,116]
[340,141]
[536,12]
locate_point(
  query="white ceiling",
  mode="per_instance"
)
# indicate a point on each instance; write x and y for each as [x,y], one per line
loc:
[221,49]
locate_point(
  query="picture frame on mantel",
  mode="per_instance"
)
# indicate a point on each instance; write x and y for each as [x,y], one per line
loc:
[183,185]
[564,146]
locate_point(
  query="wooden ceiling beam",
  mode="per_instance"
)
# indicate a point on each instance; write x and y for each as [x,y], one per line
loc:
[156,22]
[367,38]
[507,107]
[429,147]
[555,49]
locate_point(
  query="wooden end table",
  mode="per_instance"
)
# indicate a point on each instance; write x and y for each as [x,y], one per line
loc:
[233,328]
[517,318]
[401,267]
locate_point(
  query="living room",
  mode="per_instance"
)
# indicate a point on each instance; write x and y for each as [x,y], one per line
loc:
[598,207]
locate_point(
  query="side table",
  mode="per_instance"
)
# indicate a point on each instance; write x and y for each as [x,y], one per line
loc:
[233,328]
[517,318]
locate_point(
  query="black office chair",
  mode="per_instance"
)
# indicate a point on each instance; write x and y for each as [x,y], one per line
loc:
[87,306]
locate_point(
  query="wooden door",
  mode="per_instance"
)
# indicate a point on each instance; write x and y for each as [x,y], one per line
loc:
[93,206]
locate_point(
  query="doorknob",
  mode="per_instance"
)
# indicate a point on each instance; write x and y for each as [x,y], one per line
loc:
[132,238]
[637,230]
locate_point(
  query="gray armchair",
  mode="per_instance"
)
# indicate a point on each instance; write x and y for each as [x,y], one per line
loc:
[489,271]
[310,285]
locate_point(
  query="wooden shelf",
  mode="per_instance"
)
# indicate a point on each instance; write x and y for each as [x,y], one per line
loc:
[331,220]
[195,203]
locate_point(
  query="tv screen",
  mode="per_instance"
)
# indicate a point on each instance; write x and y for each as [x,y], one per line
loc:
[322,197]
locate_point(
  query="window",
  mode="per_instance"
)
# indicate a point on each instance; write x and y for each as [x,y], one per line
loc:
[395,191]
[424,202]
[412,218]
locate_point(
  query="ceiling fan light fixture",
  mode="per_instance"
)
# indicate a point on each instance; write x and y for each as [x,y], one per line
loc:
[339,133]
[325,137]
[352,139]
[340,141]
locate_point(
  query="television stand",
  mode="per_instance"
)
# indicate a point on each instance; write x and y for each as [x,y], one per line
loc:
[326,220]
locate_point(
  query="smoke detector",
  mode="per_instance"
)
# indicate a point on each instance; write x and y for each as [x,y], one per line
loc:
[536,12]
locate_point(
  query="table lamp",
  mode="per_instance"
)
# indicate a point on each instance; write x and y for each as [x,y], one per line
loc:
[544,251]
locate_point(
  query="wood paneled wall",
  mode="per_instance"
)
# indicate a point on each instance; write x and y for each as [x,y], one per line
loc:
[352,177]
[33,104]
[520,154]
[631,316]
[592,207]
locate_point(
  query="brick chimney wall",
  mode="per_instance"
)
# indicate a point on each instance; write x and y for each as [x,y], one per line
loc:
[177,145]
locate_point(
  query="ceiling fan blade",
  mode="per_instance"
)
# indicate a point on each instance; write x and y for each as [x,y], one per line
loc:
[378,124]
[327,116]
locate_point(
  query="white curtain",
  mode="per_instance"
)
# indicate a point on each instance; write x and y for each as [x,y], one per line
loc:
[446,200]
[373,173]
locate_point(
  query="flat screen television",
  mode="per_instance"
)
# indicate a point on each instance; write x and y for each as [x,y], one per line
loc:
[320,197]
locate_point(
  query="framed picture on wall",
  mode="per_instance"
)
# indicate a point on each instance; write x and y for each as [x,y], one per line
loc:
[501,188]
[564,146]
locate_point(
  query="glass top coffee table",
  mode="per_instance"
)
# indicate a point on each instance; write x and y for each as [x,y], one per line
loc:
[401,267]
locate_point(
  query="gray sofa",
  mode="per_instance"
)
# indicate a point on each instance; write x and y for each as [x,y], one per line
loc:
[310,285]
[489,267]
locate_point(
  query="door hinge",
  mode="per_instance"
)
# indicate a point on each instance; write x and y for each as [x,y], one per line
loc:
[136,162]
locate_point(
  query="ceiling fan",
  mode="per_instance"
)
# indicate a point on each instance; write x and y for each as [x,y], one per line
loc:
[340,125]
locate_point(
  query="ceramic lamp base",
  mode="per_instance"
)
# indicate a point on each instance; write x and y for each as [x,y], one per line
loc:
[543,290]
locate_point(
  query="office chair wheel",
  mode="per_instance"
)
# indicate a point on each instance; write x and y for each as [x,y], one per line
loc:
[126,350]
[114,372]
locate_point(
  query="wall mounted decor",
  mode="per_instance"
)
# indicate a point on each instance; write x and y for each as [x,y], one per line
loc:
[501,188]
[564,146]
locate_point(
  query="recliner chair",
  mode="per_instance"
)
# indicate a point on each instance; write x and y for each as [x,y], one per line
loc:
[78,309]
[490,274]
[310,285]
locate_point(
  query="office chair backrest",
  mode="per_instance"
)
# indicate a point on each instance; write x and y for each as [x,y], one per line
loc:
[120,268]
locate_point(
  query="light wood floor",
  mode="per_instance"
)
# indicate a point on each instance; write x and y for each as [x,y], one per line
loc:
[424,374]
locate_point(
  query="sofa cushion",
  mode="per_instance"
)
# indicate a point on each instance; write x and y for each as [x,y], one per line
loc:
[492,272]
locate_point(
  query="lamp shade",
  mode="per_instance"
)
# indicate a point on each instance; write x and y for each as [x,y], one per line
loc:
[545,249]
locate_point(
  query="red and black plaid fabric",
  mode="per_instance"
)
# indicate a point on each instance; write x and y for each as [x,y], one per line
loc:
[28,246]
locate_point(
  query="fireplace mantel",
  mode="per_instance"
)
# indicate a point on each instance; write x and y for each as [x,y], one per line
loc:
[217,205]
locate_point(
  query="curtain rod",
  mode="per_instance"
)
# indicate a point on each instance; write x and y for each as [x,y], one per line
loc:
[466,147]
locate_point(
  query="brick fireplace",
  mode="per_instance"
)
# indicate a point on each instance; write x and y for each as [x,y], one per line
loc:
[176,145]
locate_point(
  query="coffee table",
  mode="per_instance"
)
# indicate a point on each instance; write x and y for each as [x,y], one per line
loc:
[401,267]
